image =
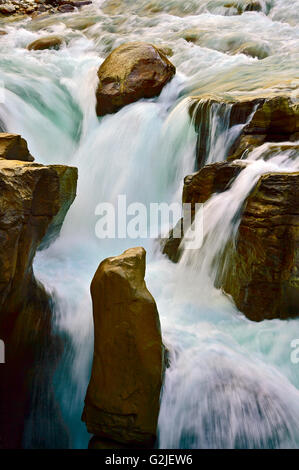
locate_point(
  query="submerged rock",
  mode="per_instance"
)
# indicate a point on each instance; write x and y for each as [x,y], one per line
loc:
[65,8]
[14,147]
[242,6]
[228,43]
[132,71]
[32,197]
[263,271]
[255,50]
[8,9]
[253,5]
[48,42]
[122,400]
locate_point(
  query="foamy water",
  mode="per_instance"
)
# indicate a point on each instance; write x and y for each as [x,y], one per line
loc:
[231,382]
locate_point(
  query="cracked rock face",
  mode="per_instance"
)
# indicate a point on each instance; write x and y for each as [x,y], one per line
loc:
[263,272]
[265,119]
[32,200]
[122,401]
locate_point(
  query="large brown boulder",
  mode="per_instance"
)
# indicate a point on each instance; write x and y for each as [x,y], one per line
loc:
[48,42]
[14,147]
[132,71]
[32,197]
[122,400]
[262,275]
[265,119]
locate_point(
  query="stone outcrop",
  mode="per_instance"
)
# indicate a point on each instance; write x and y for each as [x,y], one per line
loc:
[14,147]
[263,272]
[198,188]
[265,119]
[33,198]
[274,119]
[253,49]
[132,71]
[122,400]
[48,42]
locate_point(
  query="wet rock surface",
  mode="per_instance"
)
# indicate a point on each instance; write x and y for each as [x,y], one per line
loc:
[33,198]
[132,71]
[262,266]
[48,42]
[262,276]
[198,188]
[122,400]
[265,119]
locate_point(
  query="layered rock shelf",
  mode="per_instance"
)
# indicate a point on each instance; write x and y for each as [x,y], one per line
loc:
[197,189]
[261,273]
[264,119]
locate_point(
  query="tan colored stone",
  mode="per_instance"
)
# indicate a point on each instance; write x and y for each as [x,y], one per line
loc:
[122,400]
[132,71]
[252,49]
[32,197]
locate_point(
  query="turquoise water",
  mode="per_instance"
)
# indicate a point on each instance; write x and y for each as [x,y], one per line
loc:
[231,382]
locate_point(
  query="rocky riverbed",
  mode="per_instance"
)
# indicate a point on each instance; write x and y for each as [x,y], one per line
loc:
[15,10]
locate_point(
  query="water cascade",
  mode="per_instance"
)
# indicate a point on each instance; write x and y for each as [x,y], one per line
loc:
[231,382]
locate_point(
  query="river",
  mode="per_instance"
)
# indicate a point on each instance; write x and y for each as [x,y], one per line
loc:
[231,383]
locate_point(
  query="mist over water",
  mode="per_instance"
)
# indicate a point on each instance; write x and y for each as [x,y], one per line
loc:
[231,382]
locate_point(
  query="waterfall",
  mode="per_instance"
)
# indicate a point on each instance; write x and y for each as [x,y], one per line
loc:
[230,382]
[192,414]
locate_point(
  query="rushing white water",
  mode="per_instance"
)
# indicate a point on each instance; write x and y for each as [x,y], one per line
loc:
[231,382]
